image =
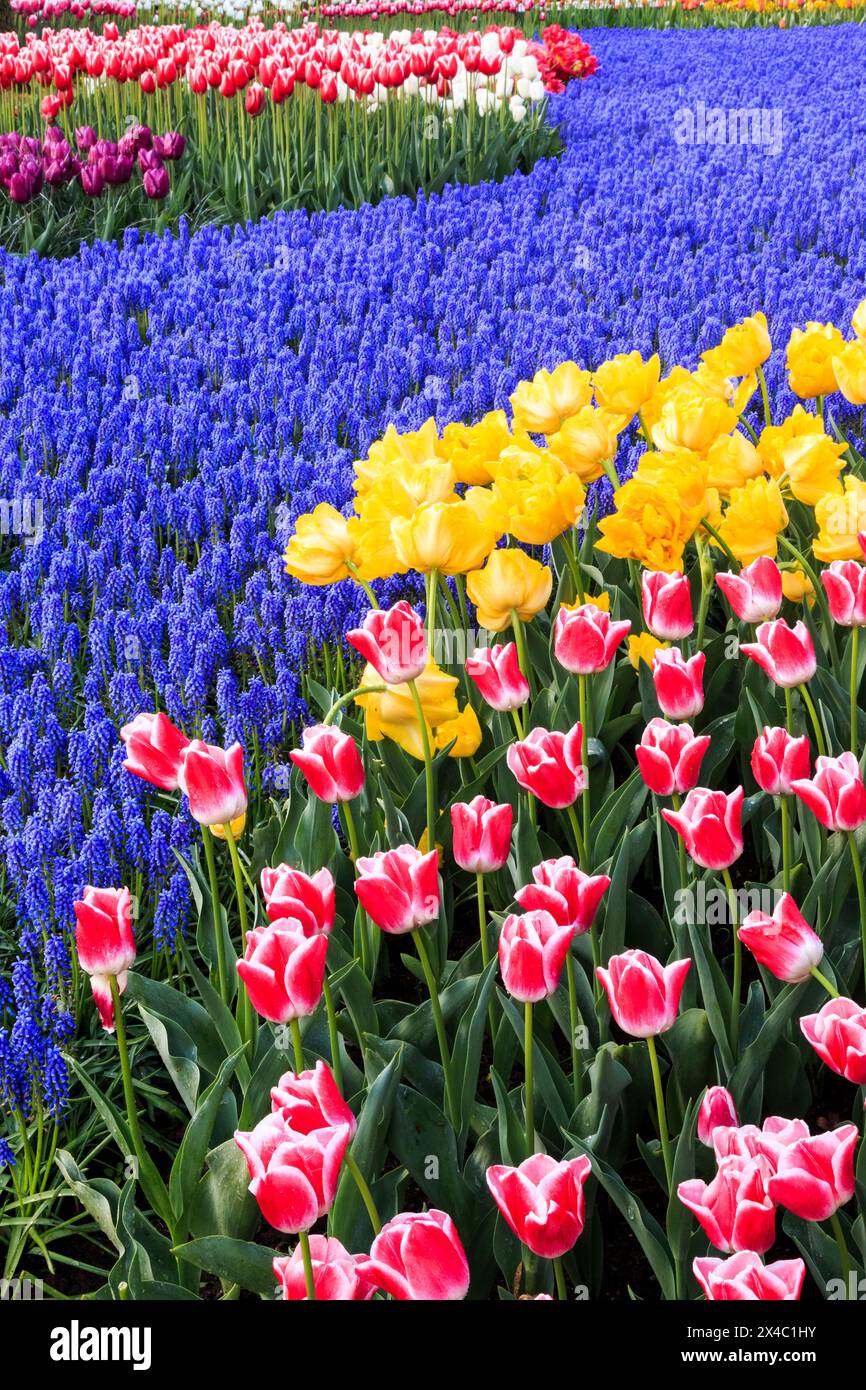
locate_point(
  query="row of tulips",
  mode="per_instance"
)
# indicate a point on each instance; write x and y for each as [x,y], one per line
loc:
[278,117]
[507,838]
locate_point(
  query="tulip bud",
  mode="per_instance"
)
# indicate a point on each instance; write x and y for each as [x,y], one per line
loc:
[735,1210]
[309,900]
[393,642]
[785,653]
[784,943]
[667,605]
[838,1034]
[669,757]
[399,888]
[845,585]
[331,763]
[105,944]
[481,834]
[755,594]
[532,952]
[778,760]
[643,994]
[213,781]
[548,764]
[710,824]
[311,1100]
[815,1176]
[294,1176]
[679,684]
[836,793]
[561,889]
[585,639]
[717,1109]
[284,970]
[542,1201]
[154,750]
[496,671]
[336,1273]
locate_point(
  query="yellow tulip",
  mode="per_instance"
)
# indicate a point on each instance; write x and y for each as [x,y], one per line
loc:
[397,493]
[658,510]
[643,647]
[625,383]
[797,586]
[858,319]
[731,460]
[237,827]
[510,582]
[600,601]
[539,498]
[323,546]
[812,465]
[775,437]
[393,451]
[542,405]
[809,359]
[652,408]
[737,394]
[743,349]
[465,729]
[586,442]
[691,418]
[391,713]
[840,516]
[754,519]
[473,450]
[850,368]
[446,536]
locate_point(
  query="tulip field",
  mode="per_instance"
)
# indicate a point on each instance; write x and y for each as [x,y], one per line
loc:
[432,703]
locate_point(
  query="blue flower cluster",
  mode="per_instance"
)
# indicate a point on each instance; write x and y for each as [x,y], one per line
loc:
[168,407]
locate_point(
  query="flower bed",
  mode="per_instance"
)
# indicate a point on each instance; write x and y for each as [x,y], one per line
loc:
[273,118]
[161,401]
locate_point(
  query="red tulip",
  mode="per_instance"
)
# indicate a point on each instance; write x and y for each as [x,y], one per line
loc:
[549,765]
[836,793]
[838,1034]
[393,642]
[542,1201]
[154,749]
[309,900]
[532,952]
[213,780]
[255,99]
[667,605]
[585,638]
[784,943]
[336,1273]
[418,1257]
[294,1176]
[643,994]
[679,684]
[710,823]
[669,757]
[496,671]
[481,834]
[284,970]
[735,1210]
[105,944]
[755,594]
[560,888]
[786,654]
[399,888]
[744,1279]
[845,585]
[778,760]
[310,1100]
[717,1110]
[331,763]
[816,1176]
